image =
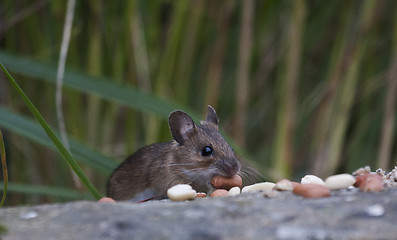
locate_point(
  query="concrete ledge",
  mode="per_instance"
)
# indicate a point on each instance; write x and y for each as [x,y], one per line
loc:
[347,214]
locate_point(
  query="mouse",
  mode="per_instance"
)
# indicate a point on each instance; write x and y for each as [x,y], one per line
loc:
[197,153]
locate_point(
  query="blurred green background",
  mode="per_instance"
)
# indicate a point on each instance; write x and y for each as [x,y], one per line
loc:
[300,87]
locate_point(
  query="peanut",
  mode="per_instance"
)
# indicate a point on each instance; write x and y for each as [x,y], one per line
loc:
[312,190]
[201,195]
[284,185]
[181,192]
[312,179]
[339,181]
[234,191]
[370,183]
[106,200]
[219,193]
[264,186]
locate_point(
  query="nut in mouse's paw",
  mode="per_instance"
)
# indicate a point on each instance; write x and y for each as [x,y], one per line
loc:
[220,182]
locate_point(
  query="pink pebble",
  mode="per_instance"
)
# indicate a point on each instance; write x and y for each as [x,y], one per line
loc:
[106,200]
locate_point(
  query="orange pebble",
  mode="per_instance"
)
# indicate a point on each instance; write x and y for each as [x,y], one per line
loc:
[294,184]
[219,193]
[312,190]
[370,183]
[201,195]
[106,200]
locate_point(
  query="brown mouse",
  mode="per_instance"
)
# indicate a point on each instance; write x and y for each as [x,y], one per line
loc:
[197,153]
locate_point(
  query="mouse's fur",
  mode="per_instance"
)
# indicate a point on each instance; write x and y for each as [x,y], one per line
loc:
[153,169]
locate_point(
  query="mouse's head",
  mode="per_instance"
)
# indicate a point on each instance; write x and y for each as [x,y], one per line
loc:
[200,151]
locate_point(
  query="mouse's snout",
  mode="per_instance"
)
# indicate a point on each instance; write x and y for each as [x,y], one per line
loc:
[228,167]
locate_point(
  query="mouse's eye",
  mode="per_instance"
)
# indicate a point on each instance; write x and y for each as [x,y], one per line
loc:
[207,151]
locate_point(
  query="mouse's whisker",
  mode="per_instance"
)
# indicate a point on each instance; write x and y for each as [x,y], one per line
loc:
[191,174]
[171,165]
[250,175]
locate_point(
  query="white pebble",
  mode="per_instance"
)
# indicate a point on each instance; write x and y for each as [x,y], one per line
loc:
[264,186]
[234,191]
[284,185]
[312,179]
[339,181]
[181,192]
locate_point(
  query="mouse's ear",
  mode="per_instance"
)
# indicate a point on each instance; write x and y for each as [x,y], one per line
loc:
[211,116]
[181,126]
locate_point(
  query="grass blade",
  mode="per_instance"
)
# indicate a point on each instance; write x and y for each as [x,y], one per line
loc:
[4,165]
[103,87]
[61,148]
[32,131]
[60,192]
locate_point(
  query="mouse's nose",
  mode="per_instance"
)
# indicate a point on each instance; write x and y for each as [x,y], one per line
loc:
[228,167]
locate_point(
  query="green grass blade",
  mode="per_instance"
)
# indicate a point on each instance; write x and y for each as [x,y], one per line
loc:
[30,189]
[32,131]
[103,87]
[65,154]
[4,165]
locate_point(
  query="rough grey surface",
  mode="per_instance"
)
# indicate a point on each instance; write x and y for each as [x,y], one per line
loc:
[347,214]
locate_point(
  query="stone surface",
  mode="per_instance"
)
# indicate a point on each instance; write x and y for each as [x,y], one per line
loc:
[347,214]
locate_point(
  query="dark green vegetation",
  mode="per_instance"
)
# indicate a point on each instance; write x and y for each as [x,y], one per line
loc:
[299,86]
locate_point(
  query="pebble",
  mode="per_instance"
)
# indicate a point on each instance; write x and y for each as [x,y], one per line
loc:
[181,192]
[339,181]
[361,171]
[270,194]
[312,190]
[219,193]
[370,183]
[106,200]
[312,179]
[284,185]
[264,186]
[234,191]
[201,195]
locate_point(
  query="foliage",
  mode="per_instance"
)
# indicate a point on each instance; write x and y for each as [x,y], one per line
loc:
[4,169]
[67,156]
[299,86]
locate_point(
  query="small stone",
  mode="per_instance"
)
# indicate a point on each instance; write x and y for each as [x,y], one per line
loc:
[234,191]
[270,194]
[284,185]
[294,184]
[201,195]
[370,183]
[181,192]
[312,190]
[361,171]
[380,171]
[106,200]
[312,179]
[219,193]
[259,187]
[339,181]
